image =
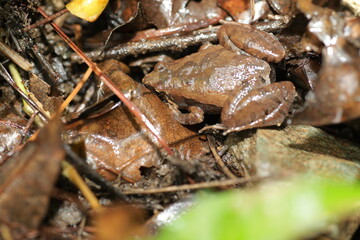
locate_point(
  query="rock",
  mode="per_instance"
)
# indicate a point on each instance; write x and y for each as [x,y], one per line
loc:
[298,149]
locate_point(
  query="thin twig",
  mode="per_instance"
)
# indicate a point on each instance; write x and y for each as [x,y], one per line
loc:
[19,82]
[75,91]
[178,43]
[187,187]
[218,159]
[167,44]
[28,124]
[53,75]
[15,57]
[44,21]
[83,168]
[190,27]
[69,171]
[132,108]
[4,73]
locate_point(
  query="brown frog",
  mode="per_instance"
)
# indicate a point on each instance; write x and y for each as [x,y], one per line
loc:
[117,144]
[219,80]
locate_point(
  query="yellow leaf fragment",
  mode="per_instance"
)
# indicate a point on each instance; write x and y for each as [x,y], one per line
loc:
[88,10]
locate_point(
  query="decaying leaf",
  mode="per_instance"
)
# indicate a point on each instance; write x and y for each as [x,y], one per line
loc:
[178,12]
[41,90]
[27,179]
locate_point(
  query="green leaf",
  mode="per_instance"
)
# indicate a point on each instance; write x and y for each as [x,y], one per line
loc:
[286,210]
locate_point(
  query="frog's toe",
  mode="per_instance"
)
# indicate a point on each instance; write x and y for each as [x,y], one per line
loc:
[218,126]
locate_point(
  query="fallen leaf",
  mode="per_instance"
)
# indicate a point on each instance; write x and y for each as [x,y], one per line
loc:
[179,12]
[27,179]
[234,7]
[41,90]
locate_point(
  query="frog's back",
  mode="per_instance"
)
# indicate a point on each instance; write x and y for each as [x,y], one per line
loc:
[208,76]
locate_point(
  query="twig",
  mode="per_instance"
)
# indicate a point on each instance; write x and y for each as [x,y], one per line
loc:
[4,73]
[44,21]
[83,168]
[28,45]
[54,76]
[167,44]
[218,160]
[28,124]
[132,108]
[189,27]
[15,57]
[76,90]
[195,186]
[26,108]
[70,172]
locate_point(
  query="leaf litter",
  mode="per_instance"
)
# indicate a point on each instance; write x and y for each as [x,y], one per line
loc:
[124,152]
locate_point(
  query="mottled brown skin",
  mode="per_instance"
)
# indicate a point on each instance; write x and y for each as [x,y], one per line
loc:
[268,105]
[243,37]
[207,79]
[117,144]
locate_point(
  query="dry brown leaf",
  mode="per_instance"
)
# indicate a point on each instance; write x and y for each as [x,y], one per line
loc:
[27,179]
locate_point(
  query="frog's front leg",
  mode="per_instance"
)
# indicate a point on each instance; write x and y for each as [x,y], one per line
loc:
[264,106]
[194,115]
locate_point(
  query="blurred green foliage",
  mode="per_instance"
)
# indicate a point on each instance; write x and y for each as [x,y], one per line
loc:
[275,211]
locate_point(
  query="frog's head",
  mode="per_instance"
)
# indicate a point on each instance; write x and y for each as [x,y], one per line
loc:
[158,77]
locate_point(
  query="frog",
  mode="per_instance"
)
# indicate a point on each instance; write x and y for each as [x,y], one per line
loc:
[117,145]
[228,78]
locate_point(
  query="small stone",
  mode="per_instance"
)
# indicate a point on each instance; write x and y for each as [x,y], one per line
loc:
[300,149]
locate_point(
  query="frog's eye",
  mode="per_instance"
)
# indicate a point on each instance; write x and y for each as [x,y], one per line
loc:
[160,67]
